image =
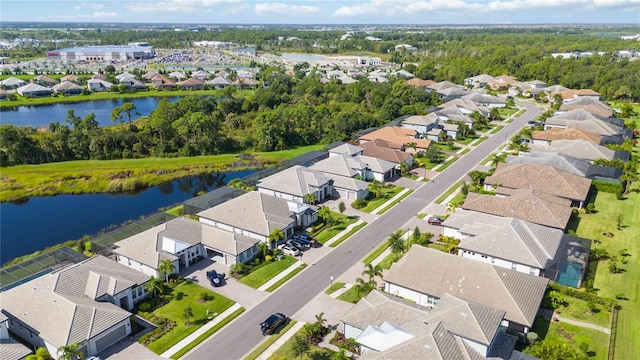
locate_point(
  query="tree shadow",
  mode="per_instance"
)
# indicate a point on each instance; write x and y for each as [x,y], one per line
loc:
[541,326]
[179,296]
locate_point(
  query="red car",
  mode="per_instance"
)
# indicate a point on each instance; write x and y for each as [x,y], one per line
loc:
[433,220]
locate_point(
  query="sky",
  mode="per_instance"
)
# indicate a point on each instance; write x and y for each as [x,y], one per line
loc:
[422,12]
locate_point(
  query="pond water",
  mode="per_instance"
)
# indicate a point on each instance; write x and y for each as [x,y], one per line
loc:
[48,220]
[42,115]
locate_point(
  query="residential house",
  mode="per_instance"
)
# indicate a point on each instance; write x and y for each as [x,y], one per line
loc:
[192,84]
[486,100]
[590,104]
[44,80]
[502,82]
[201,75]
[580,167]
[297,182]
[451,130]
[68,88]
[556,182]
[553,90]
[177,75]
[125,76]
[419,83]
[219,83]
[34,90]
[10,348]
[546,137]
[82,303]
[134,84]
[402,74]
[102,77]
[398,138]
[387,327]
[257,215]
[183,242]
[346,149]
[70,77]
[387,161]
[98,85]
[479,81]
[582,149]
[347,173]
[583,119]
[519,245]
[465,107]
[150,74]
[447,91]
[517,294]
[162,83]
[3,94]
[527,88]
[246,83]
[421,123]
[528,205]
[569,94]
[12,83]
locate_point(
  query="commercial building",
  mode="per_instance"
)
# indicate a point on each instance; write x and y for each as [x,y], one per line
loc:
[103,53]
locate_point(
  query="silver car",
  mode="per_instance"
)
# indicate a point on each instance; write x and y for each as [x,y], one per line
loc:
[290,250]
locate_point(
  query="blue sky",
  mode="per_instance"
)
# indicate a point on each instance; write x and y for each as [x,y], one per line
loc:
[326,11]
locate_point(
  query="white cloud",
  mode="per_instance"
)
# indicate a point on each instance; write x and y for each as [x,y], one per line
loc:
[104,14]
[415,7]
[172,6]
[282,8]
[90,6]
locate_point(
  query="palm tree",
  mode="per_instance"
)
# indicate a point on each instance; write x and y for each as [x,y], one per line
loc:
[70,352]
[310,198]
[275,236]
[376,187]
[154,286]
[396,243]
[187,314]
[497,159]
[411,145]
[320,319]
[372,271]
[166,267]
[324,213]
[362,287]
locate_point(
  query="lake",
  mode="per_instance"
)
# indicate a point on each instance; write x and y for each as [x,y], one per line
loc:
[48,220]
[42,115]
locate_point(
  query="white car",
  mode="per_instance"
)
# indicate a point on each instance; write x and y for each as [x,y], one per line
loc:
[290,250]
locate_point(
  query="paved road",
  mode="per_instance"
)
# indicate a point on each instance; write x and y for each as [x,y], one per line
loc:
[243,334]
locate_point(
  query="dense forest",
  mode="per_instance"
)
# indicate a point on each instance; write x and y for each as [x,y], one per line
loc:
[290,112]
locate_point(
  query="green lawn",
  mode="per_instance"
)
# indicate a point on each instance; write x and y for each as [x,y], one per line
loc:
[448,163]
[314,352]
[341,222]
[466,141]
[592,226]
[286,278]
[181,295]
[348,234]
[375,253]
[449,191]
[496,129]
[395,201]
[388,194]
[350,295]
[97,176]
[266,271]
[389,260]
[334,287]
[507,111]
[578,310]
[559,332]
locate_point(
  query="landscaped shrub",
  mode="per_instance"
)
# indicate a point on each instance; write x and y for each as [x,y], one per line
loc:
[607,186]
[345,343]
[154,335]
[340,227]
[145,306]
[359,204]
[569,291]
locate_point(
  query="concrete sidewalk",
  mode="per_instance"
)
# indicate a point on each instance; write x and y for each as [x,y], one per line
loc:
[386,203]
[281,275]
[204,328]
[342,233]
[281,340]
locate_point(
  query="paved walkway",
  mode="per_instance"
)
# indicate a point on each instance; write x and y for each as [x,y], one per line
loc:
[549,315]
[204,328]
[281,340]
[281,275]
[341,291]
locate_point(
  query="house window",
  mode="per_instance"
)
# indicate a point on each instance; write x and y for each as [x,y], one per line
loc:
[513,266]
[134,294]
[532,271]
[432,301]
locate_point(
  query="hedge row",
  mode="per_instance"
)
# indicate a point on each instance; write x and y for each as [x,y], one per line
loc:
[607,186]
[164,326]
[569,291]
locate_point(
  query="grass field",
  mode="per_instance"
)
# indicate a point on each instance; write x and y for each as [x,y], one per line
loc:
[388,194]
[314,352]
[182,295]
[97,176]
[266,272]
[573,336]
[592,226]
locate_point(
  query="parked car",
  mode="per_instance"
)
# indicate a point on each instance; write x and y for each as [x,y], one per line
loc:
[305,239]
[434,220]
[215,278]
[290,250]
[297,244]
[272,323]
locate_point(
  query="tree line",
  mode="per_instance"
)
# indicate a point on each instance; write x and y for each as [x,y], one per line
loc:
[289,112]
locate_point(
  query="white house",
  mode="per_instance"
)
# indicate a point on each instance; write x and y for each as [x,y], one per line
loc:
[98,85]
[296,182]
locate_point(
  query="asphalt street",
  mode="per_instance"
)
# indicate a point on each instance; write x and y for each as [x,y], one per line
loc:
[243,334]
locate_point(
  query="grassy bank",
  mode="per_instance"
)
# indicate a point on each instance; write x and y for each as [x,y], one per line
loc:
[21,101]
[98,176]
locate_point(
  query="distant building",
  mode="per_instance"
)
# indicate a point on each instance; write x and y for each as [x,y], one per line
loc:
[103,53]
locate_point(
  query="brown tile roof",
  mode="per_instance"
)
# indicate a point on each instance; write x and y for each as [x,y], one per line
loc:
[527,205]
[397,137]
[71,77]
[419,82]
[192,82]
[572,94]
[383,150]
[566,134]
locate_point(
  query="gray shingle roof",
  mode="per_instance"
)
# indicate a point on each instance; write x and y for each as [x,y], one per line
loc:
[67,85]
[581,149]
[11,349]
[254,212]
[527,176]
[562,162]
[296,180]
[60,319]
[518,294]
[527,205]
[347,149]
[340,164]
